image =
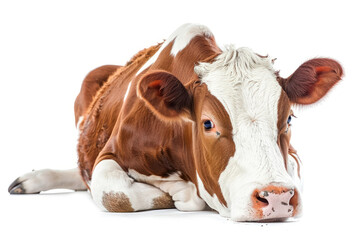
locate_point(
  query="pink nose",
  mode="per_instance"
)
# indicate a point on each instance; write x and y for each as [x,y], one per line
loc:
[275,202]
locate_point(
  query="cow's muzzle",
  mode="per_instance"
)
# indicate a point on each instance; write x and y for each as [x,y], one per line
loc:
[275,203]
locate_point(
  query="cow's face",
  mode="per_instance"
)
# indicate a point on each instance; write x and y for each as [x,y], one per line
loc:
[245,166]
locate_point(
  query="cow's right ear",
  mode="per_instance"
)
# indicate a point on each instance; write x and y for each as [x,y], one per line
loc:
[164,95]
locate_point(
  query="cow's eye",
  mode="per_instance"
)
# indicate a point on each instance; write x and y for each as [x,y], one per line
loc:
[289,120]
[208,125]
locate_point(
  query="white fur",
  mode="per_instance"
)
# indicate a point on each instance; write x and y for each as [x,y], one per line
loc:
[182,37]
[109,177]
[81,118]
[127,92]
[292,168]
[47,179]
[246,86]
[212,200]
[184,34]
[183,193]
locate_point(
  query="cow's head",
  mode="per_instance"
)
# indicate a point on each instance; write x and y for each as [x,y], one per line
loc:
[240,107]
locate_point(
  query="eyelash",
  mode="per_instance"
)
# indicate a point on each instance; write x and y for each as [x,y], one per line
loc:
[289,120]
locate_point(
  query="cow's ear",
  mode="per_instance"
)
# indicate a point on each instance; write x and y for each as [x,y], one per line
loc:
[165,95]
[312,80]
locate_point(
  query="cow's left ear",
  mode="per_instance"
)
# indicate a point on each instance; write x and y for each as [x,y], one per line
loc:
[312,80]
[164,95]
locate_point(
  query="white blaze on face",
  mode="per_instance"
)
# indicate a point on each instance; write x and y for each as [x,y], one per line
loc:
[247,87]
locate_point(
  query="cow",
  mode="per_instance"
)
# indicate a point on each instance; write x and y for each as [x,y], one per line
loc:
[189,125]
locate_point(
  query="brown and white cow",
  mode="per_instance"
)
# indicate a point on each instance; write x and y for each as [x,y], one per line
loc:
[187,124]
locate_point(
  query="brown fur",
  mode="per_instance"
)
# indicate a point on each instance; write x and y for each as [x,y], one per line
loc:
[293,154]
[284,131]
[137,138]
[91,84]
[117,202]
[164,90]
[158,130]
[164,201]
[309,83]
[212,151]
[100,118]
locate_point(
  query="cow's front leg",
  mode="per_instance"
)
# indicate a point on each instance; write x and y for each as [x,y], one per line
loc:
[184,195]
[113,190]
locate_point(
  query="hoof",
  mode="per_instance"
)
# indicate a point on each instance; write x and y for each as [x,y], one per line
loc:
[16,187]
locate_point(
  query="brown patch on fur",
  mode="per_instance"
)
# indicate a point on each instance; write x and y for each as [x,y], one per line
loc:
[284,131]
[212,152]
[136,138]
[141,53]
[91,84]
[101,115]
[116,202]
[130,133]
[284,107]
[164,201]
[199,49]
[122,73]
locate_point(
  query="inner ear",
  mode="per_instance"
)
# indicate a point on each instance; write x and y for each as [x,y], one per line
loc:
[164,94]
[312,80]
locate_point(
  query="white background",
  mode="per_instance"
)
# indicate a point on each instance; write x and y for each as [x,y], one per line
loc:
[47,48]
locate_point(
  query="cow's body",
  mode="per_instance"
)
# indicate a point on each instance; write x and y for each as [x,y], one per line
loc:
[189,124]
[133,129]
[143,144]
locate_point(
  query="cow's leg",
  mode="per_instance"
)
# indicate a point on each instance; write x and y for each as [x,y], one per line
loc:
[113,190]
[47,179]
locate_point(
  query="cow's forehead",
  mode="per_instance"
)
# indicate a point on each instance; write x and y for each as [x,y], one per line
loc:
[246,85]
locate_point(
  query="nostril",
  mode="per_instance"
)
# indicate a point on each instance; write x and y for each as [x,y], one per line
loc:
[294,200]
[262,200]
